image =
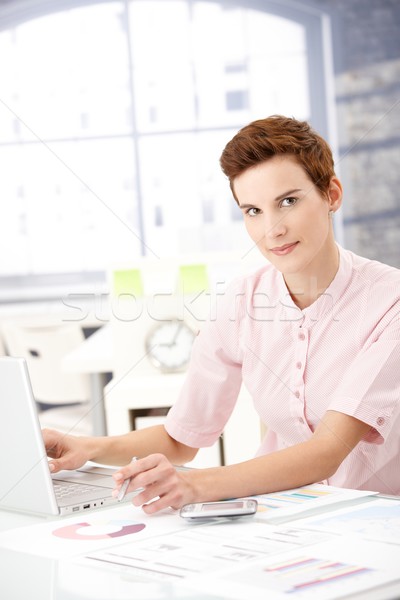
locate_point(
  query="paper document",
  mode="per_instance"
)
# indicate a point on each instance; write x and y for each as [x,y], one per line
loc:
[377,520]
[279,507]
[202,549]
[91,531]
[327,571]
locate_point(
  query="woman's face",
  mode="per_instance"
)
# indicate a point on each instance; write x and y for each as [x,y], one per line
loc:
[287,217]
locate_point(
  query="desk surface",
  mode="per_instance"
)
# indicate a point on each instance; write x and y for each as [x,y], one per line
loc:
[27,575]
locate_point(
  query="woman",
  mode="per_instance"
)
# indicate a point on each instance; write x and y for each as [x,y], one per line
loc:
[314,335]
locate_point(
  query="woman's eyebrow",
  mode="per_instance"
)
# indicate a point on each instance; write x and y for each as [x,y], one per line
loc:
[286,194]
[246,206]
[280,197]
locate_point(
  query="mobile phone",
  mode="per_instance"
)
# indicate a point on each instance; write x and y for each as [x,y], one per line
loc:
[225,508]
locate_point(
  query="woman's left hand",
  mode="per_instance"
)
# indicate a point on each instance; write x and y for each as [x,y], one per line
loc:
[163,486]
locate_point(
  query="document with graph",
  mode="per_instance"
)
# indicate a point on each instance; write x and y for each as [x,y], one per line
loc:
[253,559]
[333,569]
[377,520]
[279,507]
[200,550]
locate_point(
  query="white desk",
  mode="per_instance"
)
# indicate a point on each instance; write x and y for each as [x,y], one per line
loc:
[94,357]
[24,575]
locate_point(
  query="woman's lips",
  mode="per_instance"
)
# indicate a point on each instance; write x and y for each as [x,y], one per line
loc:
[283,250]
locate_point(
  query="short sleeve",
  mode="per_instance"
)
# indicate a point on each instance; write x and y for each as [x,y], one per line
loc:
[213,381]
[370,389]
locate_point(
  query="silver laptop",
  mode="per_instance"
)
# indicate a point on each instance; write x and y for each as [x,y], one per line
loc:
[26,483]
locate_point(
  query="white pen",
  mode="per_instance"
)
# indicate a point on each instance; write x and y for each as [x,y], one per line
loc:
[125,485]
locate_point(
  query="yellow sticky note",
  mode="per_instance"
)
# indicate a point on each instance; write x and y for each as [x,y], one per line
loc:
[128,281]
[193,278]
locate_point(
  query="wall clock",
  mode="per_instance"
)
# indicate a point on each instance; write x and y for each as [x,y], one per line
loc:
[169,345]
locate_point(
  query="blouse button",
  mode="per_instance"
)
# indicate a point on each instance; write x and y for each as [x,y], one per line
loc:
[301,420]
[302,336]
[297,394]
[380,421]
[298,365]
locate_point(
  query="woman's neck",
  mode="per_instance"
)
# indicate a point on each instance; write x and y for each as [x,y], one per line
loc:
[307,286]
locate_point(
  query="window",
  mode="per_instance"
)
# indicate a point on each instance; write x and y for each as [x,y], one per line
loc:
[112,120]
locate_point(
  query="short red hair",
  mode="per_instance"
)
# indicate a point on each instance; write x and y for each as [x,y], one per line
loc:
[276,136]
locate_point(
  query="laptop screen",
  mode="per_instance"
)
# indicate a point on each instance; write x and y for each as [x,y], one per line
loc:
[25,480]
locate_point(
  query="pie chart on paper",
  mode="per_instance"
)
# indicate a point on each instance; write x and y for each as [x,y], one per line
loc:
[99,530]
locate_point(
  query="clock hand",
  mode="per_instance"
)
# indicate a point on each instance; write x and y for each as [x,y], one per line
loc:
[176,334]
[174,339]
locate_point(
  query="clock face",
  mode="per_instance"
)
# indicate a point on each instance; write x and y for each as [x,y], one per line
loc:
[169,345]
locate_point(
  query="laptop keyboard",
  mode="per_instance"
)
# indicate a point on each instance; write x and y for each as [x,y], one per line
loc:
[65,490]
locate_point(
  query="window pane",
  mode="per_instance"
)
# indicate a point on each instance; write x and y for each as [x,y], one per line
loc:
[252,65]
[210,66]
[182,182]
[65,77]
[75,206]
[162,66]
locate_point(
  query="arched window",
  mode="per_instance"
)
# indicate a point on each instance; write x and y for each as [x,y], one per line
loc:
[113,116]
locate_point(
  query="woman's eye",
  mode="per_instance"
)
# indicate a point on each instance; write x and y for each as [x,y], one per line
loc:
[252,212]
[288,201]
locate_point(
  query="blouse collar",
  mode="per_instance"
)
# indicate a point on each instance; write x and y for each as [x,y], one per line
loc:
[326,303]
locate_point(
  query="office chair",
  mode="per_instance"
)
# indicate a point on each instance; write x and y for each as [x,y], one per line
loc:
[62,398]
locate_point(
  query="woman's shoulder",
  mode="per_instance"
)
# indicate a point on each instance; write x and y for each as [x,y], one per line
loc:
[373,271]
[376,287]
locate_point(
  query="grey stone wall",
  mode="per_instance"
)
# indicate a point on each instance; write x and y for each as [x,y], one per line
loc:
[366,39]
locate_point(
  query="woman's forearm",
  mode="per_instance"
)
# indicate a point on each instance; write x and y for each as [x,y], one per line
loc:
[308,462]
[292,467]
[312,461]
[118,450]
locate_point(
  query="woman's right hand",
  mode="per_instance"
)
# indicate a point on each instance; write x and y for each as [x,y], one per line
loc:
[66,451]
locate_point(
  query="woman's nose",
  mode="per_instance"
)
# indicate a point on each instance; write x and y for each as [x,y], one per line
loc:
[274,226]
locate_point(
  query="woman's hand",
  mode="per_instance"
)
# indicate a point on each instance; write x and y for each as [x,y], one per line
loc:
[67,451]
[163,486]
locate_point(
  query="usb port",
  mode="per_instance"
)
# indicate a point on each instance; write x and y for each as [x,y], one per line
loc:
[75,508]
[86,506]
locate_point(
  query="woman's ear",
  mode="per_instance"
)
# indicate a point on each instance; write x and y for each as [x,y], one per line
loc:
[335,194]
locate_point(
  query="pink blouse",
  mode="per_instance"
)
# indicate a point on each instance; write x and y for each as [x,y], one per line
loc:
[341,353]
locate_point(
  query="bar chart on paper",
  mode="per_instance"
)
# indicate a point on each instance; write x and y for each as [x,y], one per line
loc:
[305,573]
[292,498]
[283,505]
[317,573]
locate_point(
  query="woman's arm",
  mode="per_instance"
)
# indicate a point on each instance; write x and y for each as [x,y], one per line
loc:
[71,452]
[309,462]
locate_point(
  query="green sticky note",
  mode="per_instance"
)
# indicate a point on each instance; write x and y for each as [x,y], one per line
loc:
[193,278]
[128,281]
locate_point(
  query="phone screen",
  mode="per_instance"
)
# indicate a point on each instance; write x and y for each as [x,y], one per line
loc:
[225,508]
[221,506]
